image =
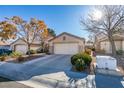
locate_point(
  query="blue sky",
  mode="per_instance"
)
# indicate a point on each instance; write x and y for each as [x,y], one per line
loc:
[59,18]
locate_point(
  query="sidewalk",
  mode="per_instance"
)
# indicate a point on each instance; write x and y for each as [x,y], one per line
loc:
[6,83]
[61,80]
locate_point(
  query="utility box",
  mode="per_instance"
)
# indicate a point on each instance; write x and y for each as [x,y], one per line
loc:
[106,62]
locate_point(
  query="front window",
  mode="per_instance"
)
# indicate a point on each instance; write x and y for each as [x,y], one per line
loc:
[64,38]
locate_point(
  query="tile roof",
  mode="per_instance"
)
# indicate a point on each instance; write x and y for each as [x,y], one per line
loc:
[2,43]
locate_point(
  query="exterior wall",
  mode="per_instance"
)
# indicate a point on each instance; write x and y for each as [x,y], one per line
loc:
[106,62]
[97,46]
[20,42]
[118,38]
[123,44]
[68,39]
[21,48]
[51,49]
[105,45]
[35,46]
[118,45]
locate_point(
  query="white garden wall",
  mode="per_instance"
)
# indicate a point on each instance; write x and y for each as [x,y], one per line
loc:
[106,62]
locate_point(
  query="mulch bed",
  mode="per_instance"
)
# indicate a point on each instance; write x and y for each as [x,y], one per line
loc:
[24,58]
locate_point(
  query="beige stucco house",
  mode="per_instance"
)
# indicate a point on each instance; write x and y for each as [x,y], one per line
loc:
[20,46]
[66,43]
[102,42]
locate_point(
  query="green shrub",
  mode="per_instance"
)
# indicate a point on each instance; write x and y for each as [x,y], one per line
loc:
[87,58]
[79,65]
[16,54]
[40,50]
[74,58]
[120,52]
[5,54]
[93,49]
[43,50]
[31,52]
[2,58]
[82,56]
[88,51]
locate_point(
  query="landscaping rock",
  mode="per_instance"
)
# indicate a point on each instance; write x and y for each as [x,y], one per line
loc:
[90,81]
[81,83]
[63,84]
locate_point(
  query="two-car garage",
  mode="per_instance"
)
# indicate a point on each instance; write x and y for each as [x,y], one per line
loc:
[66,43]
[66,48]
[21,48]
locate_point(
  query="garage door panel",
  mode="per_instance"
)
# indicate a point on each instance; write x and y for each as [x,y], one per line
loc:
[66,48]
[35,48]
[21,48]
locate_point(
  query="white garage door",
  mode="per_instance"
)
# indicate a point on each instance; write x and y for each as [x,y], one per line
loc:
[21,48]
[66,48]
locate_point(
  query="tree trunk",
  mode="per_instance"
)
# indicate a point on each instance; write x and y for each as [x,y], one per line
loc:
[43,46]
[29,49]
[111,40]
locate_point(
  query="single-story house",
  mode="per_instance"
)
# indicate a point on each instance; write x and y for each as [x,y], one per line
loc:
[66,43]
[20,46]
[104,44]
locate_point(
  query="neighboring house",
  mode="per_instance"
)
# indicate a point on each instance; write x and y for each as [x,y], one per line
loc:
[66,43]
[4,45]
[20,46]
[102,42]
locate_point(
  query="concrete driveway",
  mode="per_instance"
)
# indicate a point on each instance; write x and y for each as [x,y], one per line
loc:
[42,72]
[54,71]
[40,66]
[7,83]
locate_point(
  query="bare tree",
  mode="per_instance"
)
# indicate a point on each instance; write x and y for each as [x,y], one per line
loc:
[44,37]
[111,22]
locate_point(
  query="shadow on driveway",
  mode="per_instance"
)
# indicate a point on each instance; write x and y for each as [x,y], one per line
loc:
[107,81]
[7,83]
[4,80]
